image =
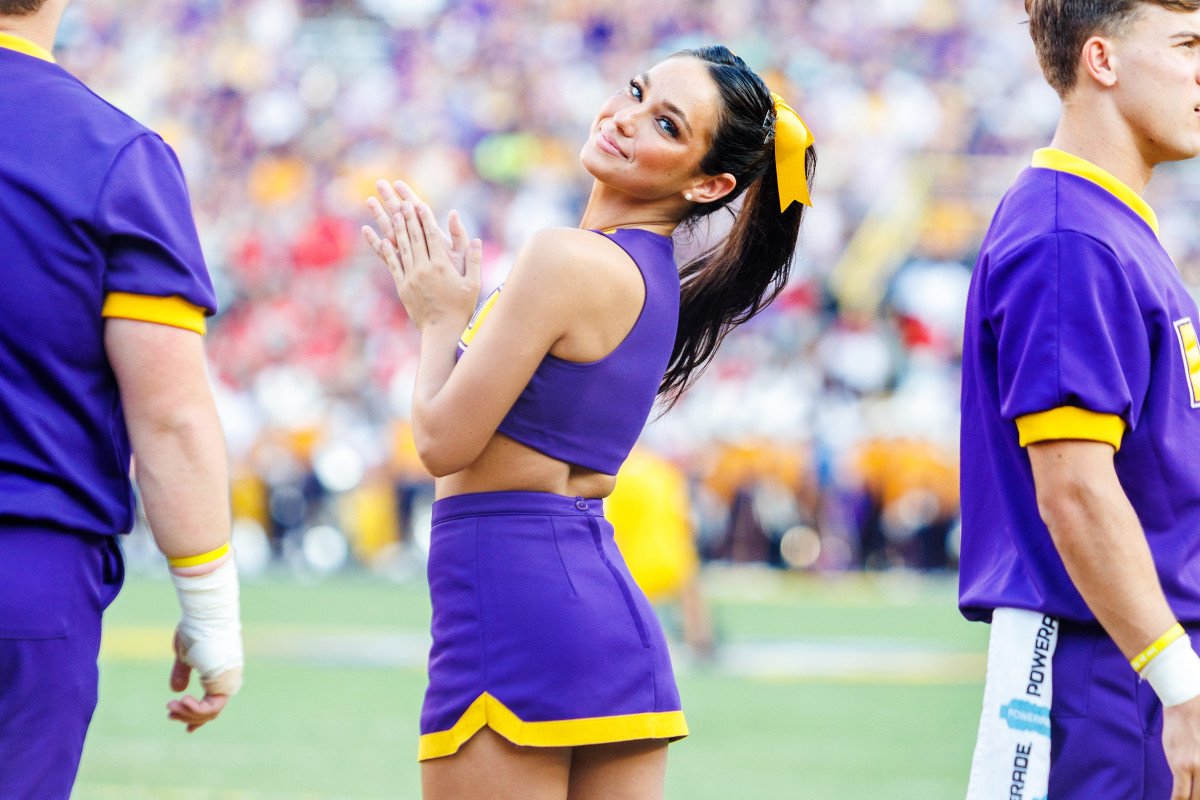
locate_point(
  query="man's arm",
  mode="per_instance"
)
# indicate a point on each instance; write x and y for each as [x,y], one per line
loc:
[1104,549]
[177,439]
[1100,540]
[181,469]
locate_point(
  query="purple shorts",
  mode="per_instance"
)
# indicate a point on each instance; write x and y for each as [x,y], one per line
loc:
[1105,723]
[539,632]
[54,587]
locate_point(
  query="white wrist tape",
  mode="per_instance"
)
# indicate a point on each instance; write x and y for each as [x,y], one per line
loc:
[210,630]
[1174,673]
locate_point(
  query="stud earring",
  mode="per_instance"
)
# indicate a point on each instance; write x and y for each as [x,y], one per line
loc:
[687,196]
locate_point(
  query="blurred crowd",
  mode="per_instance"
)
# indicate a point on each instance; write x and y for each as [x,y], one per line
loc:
[825,434]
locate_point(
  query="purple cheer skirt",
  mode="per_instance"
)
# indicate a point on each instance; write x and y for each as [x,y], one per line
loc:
[539,632]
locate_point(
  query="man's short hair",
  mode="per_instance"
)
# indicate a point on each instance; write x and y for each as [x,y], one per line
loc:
[19,8]
[1060,27]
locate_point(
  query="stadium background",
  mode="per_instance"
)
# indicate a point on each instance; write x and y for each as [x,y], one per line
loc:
[819,451]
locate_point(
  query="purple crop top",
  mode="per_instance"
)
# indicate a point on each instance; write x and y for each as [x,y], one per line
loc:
[590,414]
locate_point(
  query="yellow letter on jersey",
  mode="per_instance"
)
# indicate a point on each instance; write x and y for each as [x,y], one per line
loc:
[1189,345]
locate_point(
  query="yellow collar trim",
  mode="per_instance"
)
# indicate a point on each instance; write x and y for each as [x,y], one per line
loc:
[1062,161]
[11,41]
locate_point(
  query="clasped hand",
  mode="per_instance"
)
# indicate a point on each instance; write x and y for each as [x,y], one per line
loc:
[436,275]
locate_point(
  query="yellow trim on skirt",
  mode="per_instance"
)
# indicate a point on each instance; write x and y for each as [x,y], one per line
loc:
[490,712]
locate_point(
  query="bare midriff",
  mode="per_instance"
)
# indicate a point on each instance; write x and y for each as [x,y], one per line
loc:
[506,465]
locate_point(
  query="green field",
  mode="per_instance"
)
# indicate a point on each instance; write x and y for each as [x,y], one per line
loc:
[848,688]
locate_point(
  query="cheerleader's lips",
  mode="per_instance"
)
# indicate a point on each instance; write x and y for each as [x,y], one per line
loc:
[609,145]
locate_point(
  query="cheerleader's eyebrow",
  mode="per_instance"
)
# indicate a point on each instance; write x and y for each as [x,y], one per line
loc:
[667,104]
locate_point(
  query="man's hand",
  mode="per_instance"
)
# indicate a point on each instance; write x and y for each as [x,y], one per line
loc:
[1181,742]
[209,641]
[188,709]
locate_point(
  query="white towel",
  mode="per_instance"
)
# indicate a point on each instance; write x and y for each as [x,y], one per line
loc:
[1012,753]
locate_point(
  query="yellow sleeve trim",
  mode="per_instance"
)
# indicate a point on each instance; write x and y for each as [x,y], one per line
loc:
[487,710]
[1143,658]
[203,558]
[173,311]
[1069,422]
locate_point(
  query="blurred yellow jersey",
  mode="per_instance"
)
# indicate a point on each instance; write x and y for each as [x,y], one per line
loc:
[650,512]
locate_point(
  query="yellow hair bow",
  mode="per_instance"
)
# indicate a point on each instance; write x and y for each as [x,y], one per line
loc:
[792,140]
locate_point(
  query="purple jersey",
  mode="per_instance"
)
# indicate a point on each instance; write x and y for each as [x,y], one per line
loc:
[94,222]
[1078,327]
[592,414]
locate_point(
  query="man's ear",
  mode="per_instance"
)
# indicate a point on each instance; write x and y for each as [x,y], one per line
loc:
[1098,61]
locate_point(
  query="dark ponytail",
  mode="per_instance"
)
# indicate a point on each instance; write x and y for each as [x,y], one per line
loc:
[735,280]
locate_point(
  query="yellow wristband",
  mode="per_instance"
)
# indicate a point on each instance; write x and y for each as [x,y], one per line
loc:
[213,555]
[1143,658]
